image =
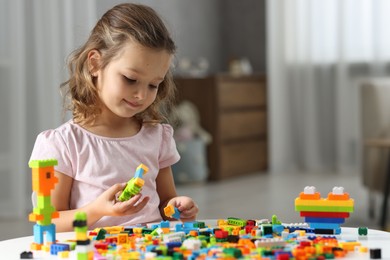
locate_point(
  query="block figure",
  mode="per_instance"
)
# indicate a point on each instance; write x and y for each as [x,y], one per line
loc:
[135,184]
[324,214]
[84,250]
[43,181]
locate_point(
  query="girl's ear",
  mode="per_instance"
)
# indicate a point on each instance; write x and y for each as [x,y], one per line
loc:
[93,62]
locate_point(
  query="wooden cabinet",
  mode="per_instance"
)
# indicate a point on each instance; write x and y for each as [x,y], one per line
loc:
[234,111]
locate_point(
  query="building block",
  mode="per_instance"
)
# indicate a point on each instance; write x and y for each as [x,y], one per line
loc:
[40,230]
[26,255]
[375,253]
[140,171]
[83,247]
[309,193]
[43,182]
[56,248]
[135,184]
[324,202]
[362,231]
[324,214]
[324,220]
[172,212]
[324,208]
[236,222]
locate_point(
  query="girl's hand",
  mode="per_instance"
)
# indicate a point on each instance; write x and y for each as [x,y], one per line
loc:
[108,205]
[187,207]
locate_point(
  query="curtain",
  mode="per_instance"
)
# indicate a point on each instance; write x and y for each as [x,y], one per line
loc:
[317,52]
[37,36]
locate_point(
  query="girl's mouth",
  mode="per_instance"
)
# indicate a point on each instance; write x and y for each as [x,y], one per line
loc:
[133,104]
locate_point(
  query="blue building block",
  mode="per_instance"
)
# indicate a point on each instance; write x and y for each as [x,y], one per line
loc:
[324,225]
[165,224]
[277,228]
[55,248]
[139,172]
[39,230]
[324,220]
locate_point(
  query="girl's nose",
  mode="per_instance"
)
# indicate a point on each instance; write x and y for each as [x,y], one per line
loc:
[140,93]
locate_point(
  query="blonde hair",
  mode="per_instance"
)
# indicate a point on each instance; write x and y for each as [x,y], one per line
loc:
[116,27]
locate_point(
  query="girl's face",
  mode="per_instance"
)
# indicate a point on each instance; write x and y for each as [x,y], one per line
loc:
[128,84]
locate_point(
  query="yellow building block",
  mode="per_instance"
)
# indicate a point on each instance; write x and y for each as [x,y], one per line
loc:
[324,202]
[122,238]
[63,254]
[350,245]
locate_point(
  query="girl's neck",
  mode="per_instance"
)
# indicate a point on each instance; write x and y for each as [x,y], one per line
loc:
[114,128]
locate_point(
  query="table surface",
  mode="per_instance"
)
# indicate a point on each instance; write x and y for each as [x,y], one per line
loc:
[11,249]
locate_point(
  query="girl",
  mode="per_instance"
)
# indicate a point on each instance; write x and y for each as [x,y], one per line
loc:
[119,83]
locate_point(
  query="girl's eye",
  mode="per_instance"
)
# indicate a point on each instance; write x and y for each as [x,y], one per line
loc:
[129,79]
[153,86]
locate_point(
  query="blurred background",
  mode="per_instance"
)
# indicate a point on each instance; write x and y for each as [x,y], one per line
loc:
[273,96]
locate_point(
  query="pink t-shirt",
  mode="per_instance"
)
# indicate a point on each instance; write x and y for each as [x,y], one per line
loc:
[96,163]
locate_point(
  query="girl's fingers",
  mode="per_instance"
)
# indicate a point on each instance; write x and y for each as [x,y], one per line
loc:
[114,189]
[135,207]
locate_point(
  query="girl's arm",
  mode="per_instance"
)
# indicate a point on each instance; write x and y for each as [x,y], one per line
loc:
[167,192]
[104,205]
[61,201]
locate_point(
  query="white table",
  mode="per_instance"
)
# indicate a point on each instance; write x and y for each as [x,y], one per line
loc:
[11,249]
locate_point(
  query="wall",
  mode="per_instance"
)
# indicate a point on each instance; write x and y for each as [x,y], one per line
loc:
[244,32]
[216,30]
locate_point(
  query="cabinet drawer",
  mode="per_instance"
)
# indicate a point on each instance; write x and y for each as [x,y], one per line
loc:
[244,157]
[247,93]
[235,125]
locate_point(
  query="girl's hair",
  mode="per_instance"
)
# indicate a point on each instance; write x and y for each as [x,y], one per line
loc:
[116,27]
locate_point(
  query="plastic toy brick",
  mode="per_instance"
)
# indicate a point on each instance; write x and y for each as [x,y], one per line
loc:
[164,224]
[132,188]
[326,231]
[338,194]
[172,212]
[324,208]
[275,220]
[324,202]
[58,247]
[83,248]
[362,231]
[267,229]
[375,253]
[316,225]
[40,230]
[309,193]
[26,255]
[122,239]
[43,182]
[324,220]
[135,184]
[63,254]
[101,234]
[270,242]
[324,214]
[349,245]
[332,196]
[236,222]
[42,163]
[140,171]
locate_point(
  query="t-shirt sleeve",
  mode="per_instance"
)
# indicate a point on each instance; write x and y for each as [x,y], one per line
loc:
[51,145]
[168,151]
